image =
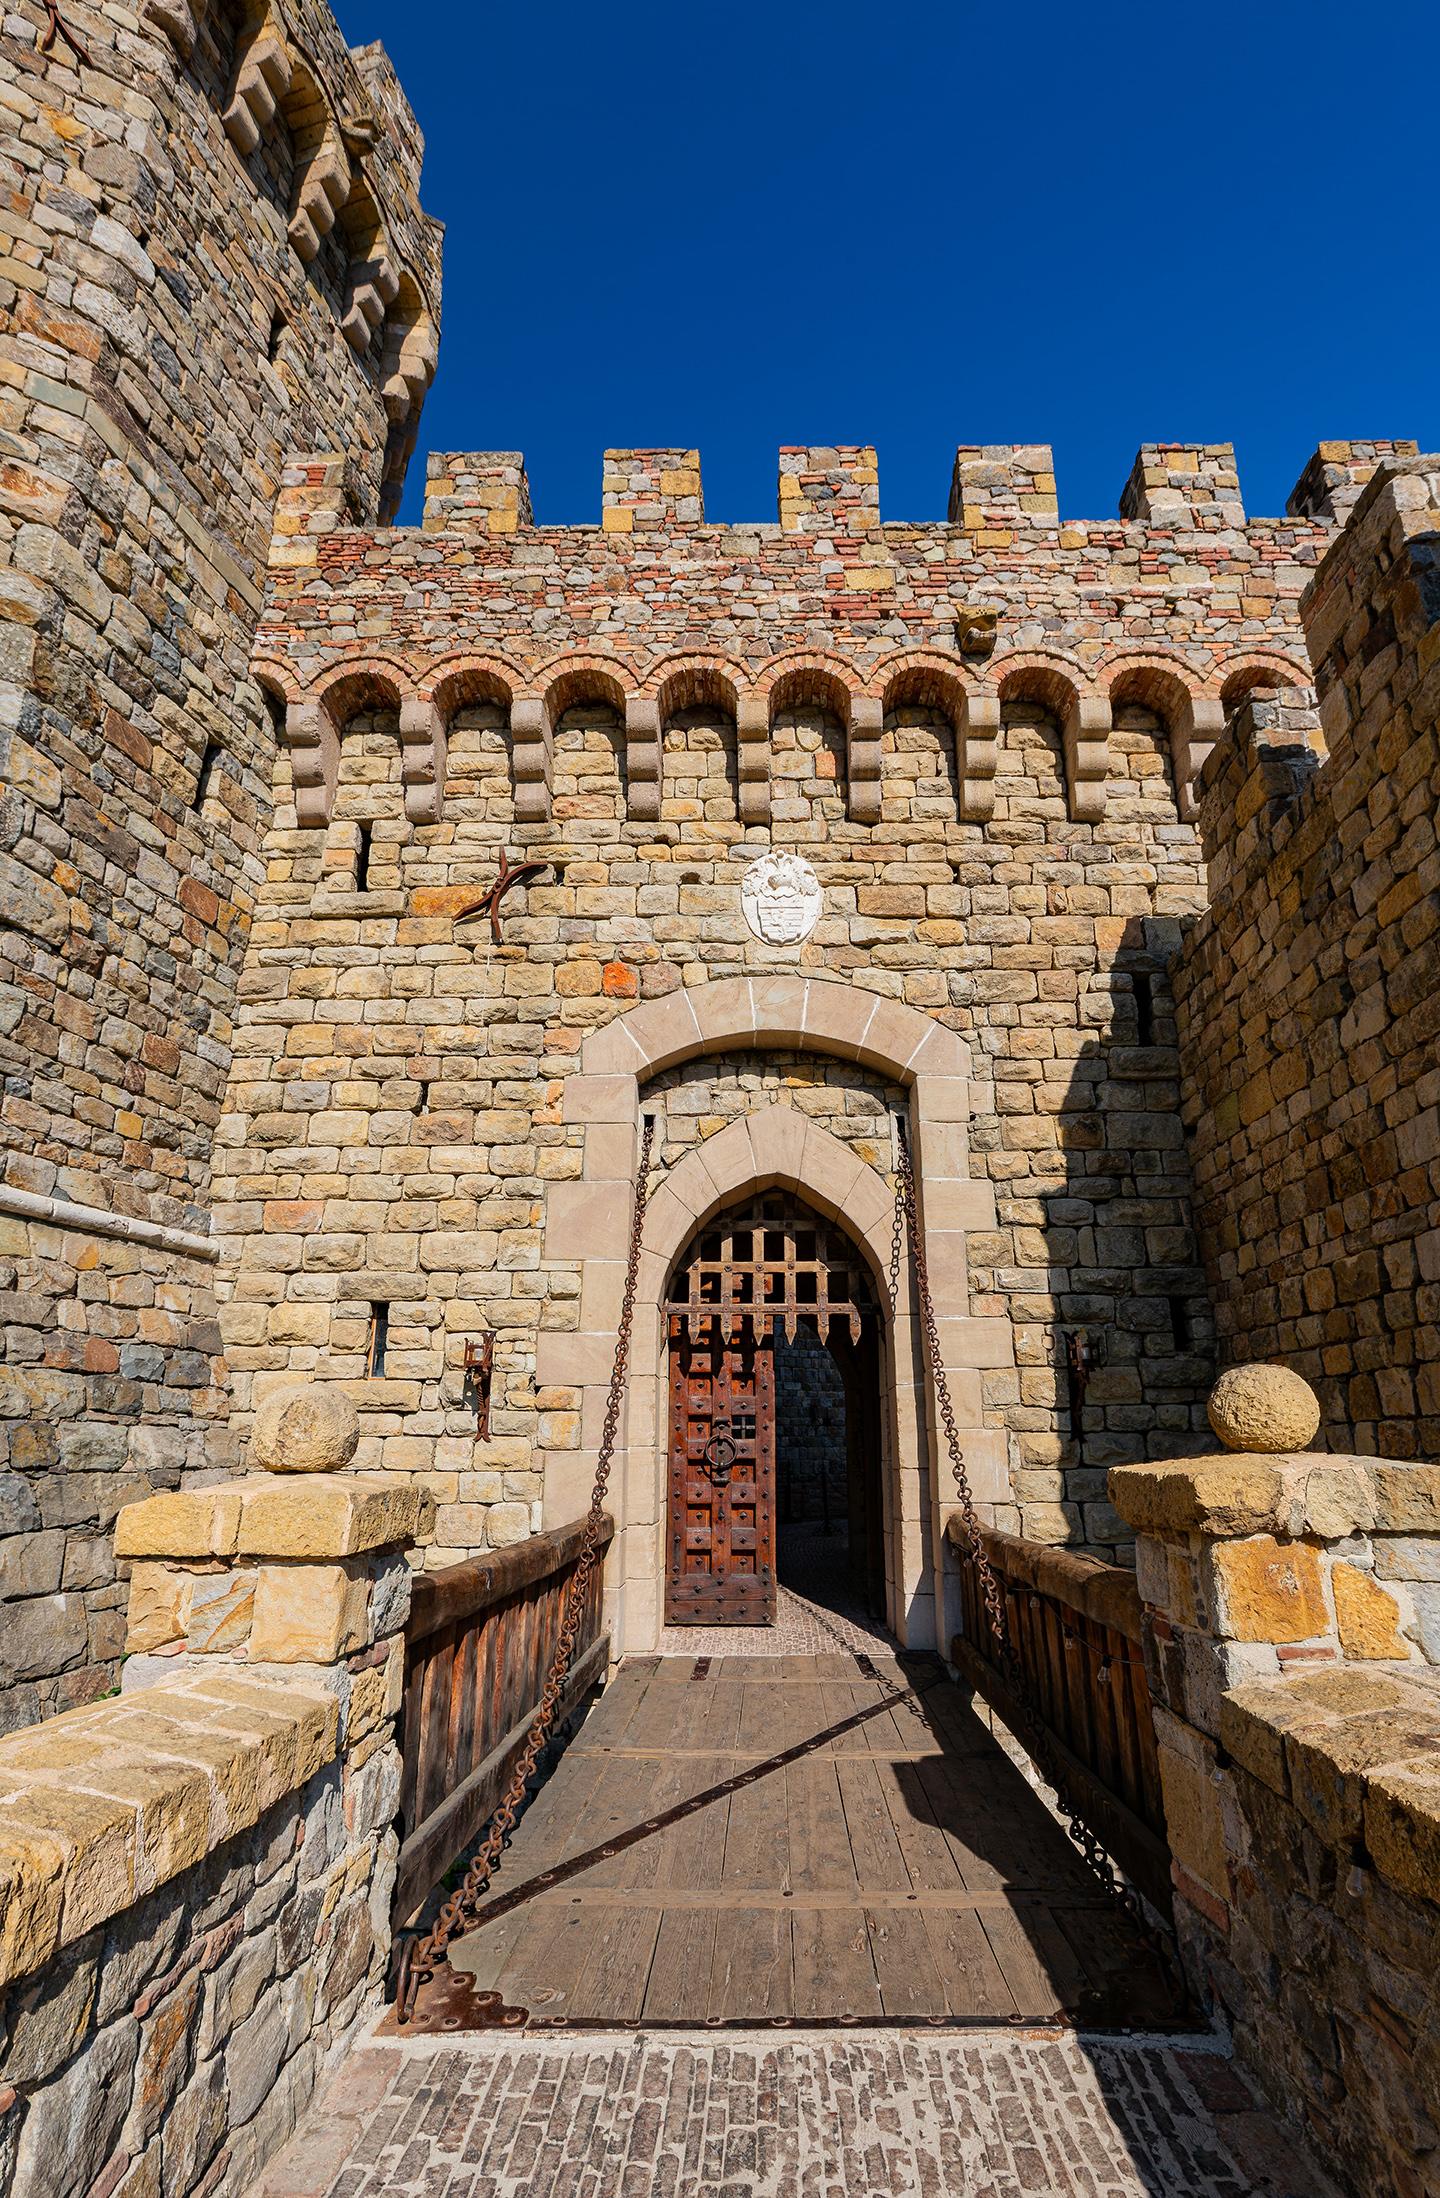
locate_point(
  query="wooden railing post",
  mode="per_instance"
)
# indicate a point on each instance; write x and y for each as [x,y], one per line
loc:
[1076,1627]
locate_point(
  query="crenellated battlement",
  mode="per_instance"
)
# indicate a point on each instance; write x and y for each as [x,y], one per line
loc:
[1179,605]
[825,491]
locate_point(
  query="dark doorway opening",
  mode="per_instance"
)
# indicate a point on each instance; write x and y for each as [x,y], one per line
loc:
[829,1533]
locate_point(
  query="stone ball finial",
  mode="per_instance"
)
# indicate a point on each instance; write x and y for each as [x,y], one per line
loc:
[310,1427]
[1264,1408]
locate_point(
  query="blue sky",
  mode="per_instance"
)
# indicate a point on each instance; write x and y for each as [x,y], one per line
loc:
[916,225]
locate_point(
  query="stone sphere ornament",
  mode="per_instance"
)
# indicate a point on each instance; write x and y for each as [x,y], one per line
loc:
[1264,1408]
[780,899]
[310,1427]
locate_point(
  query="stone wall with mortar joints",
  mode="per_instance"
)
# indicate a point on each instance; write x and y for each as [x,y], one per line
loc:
[1309,995]
[394,1117]
[197,1877]
[1291,1651]
[164,343]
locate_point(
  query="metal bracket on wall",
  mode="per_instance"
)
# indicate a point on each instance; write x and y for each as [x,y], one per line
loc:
[479,1373]
[511,874]
[57,27]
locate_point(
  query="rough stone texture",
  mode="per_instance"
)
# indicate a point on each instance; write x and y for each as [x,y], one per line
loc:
[991,775]
[307,1429]
[761,2117]
[1309,995]
[1321,1933]
[182,265]
[196,1878]
[1263,1408]
[180,2041]
[1302,1801]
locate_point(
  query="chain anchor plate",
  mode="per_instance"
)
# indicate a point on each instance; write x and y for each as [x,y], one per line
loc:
[457,2005]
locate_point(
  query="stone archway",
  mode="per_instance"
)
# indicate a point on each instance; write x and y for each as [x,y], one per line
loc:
[587,1222]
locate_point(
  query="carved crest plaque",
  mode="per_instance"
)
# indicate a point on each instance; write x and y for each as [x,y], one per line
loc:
[780,898]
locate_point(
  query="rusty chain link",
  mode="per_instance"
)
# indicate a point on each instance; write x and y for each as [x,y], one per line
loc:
[422,1956]
[1034,1732]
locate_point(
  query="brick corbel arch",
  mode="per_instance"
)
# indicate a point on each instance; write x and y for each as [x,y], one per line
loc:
[587,1223]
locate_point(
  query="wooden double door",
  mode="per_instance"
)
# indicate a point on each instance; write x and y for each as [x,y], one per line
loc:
[721,1557]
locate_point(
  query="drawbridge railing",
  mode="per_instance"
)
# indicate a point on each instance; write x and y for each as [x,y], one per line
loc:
[1075,1625]
[479,1645]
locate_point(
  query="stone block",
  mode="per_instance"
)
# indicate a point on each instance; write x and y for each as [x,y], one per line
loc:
[309,1613]
[201,1522]
[1193,1820]
[1266,1590]
[1366,1617]
[1227,1495]
[329,1515]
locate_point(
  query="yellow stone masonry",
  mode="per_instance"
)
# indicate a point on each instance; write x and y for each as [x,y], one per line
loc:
[309,1515]
[103,1804]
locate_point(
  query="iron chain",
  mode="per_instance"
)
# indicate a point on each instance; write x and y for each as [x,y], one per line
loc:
[426,1953]
[1034,1733]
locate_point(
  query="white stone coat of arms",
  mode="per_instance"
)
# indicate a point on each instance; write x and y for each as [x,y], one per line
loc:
[780,899]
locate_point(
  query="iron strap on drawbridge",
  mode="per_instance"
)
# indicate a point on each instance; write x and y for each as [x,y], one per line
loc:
[422,1956]
[1033,1733]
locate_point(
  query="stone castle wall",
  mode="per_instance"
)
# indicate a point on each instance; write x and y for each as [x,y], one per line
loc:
[1309,995]
[213,250]
[984,735]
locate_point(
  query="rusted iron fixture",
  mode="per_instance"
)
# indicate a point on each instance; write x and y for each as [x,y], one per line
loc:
[57,27]
[479,1373]
[510,874]
[1081,1358]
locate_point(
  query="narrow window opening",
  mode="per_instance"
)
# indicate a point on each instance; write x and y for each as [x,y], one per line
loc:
[362,861]
[1181,1331]
[1144,1010]
[379,1338]
[278,326]
[209,764]
[422,1104]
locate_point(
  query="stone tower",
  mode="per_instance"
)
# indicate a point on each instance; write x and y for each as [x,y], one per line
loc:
[215,254]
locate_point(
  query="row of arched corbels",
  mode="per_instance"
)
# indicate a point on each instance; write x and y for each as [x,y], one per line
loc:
[274,75]
[1082,699]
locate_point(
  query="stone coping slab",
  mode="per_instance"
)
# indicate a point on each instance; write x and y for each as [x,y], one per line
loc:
[100,1805]
[307,1515]
[1282,1492]
[1357,1753]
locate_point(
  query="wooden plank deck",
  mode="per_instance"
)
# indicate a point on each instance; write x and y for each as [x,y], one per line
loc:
[802,1839]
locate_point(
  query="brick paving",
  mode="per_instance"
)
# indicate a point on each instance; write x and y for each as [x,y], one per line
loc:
[866,2115]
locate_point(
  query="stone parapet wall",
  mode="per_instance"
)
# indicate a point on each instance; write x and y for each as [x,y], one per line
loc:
[1308,995]
[1291,1653]
[1325,1956]
[196,1877]
[199,223]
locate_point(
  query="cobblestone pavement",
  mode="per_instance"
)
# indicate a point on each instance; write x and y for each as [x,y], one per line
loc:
[843,2115]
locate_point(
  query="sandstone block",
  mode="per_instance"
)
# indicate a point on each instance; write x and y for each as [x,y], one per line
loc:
[1193,1820]
[1263,1408]
[1267,1590]
[309,1613]
[1223,1495]
[1367,1618]
[310,1427]
[202,1522]
[329,1515]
